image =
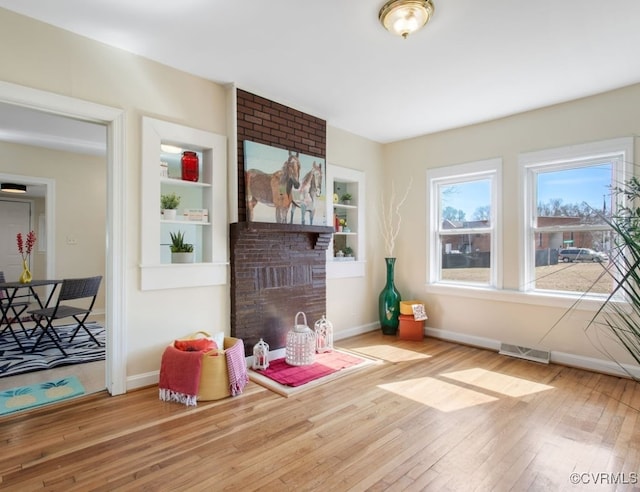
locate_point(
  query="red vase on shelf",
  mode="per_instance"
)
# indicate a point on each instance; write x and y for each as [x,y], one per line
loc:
[190,166]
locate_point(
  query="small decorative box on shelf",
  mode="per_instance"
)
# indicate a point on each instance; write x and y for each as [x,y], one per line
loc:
[196,214]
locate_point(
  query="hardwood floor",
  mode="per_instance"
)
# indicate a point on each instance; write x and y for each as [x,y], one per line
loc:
[432,416]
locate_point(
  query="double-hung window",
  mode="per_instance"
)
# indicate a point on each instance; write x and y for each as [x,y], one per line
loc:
[463,224]
[568,199]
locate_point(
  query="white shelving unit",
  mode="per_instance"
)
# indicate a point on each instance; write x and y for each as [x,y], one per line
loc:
[341,181]
[209,237]
[192,195]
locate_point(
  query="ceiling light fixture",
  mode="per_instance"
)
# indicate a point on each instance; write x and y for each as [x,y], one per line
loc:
[170,149]
[13,188]
[402,17]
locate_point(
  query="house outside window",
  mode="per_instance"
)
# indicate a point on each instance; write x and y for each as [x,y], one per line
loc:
[463,224]
[568,195]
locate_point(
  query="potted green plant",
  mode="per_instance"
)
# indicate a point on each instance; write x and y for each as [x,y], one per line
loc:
[346,198]
[348,251]
[181,251]
[619,314]
[168,204]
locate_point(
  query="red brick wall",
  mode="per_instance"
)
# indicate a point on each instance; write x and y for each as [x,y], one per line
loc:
[276,269]
[267,122]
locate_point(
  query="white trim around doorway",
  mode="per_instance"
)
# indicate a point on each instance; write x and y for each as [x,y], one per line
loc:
[115,283]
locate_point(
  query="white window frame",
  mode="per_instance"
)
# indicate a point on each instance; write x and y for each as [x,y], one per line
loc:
[619,151]
[489,169]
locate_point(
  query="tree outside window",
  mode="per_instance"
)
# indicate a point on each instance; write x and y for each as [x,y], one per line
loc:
[463,224]
[568,200]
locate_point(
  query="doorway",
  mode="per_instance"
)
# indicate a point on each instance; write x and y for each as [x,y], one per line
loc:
[72,246]
[115,259]
[15,217]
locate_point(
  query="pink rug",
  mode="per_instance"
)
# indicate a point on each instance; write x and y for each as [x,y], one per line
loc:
[325,364]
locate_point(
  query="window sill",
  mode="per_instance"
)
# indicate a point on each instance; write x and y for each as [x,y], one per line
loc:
[551,299]
[180,275]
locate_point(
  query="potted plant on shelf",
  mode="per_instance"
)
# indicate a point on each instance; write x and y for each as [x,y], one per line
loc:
[181,252]
[346,198]
[348,251]
[168,204]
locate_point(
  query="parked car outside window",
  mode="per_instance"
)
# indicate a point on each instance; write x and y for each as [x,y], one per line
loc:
[581,254]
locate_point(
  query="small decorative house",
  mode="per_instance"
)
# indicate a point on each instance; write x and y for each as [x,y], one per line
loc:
[260,355]
[324,335]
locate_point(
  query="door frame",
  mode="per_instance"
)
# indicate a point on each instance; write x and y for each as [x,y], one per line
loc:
[116,256]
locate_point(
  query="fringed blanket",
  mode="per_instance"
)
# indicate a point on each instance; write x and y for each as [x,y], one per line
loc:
[237,366]
[180,376]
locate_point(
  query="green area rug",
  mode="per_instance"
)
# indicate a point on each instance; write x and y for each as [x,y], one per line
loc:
[39,394]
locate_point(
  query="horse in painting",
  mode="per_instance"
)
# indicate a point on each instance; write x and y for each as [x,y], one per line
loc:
[273,190]
[305,197]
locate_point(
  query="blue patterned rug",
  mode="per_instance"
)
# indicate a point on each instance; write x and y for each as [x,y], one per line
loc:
[39,394]
[13,361]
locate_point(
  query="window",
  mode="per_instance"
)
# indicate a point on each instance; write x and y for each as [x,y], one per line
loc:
[568,196]
[463,224]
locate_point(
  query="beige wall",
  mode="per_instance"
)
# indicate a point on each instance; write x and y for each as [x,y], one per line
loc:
[43,57]
[352,303]
[510,318]
[80,207]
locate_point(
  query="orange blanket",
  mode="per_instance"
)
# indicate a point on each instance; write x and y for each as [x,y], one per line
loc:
[180,376]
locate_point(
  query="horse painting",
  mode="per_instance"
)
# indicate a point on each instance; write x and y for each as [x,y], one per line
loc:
[273,190]
[305,197]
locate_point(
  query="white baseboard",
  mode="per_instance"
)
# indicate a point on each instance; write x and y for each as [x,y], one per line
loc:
[463,338]
[138,381]
[563,358]
[580,362]
[596,365]
[357,330]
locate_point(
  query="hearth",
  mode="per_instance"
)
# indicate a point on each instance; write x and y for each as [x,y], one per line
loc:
[276,271]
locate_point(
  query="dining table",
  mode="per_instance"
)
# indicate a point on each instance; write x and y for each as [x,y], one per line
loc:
[15,298]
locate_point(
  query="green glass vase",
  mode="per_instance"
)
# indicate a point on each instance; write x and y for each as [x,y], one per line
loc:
[389,302]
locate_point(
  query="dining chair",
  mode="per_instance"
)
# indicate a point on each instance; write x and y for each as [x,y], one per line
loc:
[12,306]
[84,290]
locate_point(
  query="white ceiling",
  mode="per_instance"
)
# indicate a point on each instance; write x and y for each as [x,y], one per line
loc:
[474,61]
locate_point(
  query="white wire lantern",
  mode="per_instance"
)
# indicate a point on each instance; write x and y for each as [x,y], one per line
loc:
[301,344]
[260,355]
[324,335]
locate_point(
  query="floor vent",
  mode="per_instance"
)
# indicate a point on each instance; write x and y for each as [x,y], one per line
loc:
[535,355]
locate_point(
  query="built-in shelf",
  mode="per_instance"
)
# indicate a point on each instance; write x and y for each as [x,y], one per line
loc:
[186,222]
[209,237]
[343,181]
[186,184]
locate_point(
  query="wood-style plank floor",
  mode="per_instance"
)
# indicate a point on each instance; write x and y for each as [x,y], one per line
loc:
[431,416]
